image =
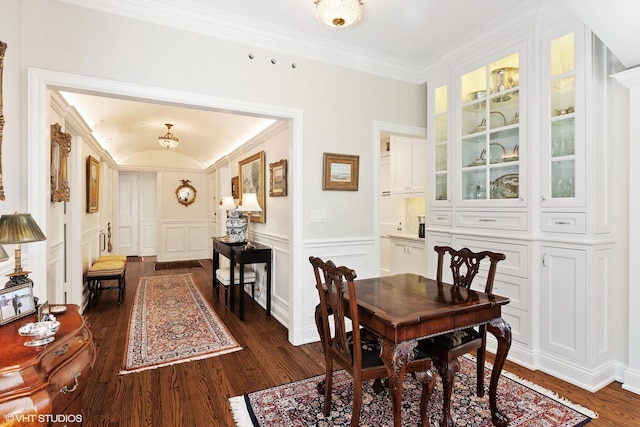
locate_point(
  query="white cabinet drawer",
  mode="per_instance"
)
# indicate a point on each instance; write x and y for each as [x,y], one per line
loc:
[497,220]
[514,288]
[517,256]
[440,218]
[563,222]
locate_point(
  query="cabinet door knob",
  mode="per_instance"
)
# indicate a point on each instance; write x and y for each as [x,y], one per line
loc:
[544,260]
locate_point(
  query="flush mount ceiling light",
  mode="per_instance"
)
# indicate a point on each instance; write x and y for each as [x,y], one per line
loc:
[338,13]
[168,140]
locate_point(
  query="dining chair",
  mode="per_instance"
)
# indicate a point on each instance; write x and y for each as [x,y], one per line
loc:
[445,349]
[358,350]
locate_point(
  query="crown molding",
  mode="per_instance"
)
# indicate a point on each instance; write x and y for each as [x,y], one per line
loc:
[213,22]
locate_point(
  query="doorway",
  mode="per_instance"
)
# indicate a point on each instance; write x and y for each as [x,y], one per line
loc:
[40,80]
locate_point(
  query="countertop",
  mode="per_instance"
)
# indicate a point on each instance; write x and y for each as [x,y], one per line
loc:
[406,237]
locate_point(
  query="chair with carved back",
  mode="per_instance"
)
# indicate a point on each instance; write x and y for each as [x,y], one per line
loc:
[357,351]
[445,349]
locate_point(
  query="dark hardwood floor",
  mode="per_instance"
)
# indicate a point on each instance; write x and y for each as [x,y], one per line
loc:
[197,393]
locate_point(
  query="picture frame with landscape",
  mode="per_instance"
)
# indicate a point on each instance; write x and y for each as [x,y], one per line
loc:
[278,178]
[340,172]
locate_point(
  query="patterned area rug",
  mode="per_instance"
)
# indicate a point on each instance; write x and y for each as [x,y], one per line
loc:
[171,265]
[171,322]
[299,404]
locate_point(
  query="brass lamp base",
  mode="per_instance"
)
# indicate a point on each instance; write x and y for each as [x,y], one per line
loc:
[17,279]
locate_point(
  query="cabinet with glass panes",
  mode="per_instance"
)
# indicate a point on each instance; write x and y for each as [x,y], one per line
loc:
[490,131]
[441,145]
[562,162]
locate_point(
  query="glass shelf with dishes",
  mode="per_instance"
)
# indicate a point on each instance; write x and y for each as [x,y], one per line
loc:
[441,146]
[561,169]
[490,129]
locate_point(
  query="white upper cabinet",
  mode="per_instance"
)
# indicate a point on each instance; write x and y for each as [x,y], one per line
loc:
[439,186]
[563,119]
[490,140]
[408,166]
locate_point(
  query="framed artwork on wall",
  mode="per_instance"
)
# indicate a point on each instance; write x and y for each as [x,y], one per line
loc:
[60,149]
[251,180]
[234,188]
[93,184]
[340,172]
[278,179]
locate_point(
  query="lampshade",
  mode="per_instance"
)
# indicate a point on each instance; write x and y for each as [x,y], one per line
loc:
[3,254]
[227,203]
[338,13]
[250,203]
[19,228]
[168,140]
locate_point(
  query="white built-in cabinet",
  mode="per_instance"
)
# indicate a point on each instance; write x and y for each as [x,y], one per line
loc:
[408,169]
[408,256]
[520,163]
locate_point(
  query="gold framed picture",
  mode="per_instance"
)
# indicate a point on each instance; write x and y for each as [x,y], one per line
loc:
[278,178]
[60,149]
[251,177]
[340,172]
[93,184]
[234,188]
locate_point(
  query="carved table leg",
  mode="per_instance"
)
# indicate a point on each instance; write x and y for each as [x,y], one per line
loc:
[396,358]
[428,381]
[502,331]
[447,372]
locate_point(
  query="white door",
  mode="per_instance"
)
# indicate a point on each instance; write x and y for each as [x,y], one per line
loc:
[129,216]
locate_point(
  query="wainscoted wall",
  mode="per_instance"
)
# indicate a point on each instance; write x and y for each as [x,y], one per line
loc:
[357,254]
[55,273]
[184,240]
[90,252]
[280,277]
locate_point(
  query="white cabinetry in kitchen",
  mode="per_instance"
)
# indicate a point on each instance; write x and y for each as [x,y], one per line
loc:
[408,171]
[408,255]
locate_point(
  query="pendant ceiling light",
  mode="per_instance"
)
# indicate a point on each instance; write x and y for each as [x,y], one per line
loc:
[338,13]
[168,140]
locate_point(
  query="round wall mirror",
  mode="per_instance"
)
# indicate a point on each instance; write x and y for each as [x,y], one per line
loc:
[186,193]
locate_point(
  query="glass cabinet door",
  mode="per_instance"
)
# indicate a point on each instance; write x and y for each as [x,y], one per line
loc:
[441,166]
[490,131]
[562,98]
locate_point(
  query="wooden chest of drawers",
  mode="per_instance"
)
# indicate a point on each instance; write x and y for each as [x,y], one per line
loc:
[43,386]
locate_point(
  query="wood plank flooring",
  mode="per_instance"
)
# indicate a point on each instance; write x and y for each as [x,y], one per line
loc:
[197,393]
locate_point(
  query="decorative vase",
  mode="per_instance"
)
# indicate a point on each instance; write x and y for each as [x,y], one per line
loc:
[236,227]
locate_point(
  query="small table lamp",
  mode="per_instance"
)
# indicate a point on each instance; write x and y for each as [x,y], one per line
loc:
[236,223]
[249,204]
[17,229]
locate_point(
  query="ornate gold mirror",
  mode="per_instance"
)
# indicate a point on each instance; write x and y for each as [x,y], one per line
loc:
[186,193]
[60,149]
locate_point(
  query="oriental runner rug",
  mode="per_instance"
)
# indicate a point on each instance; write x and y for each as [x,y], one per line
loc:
[299,403]
[171,322]
[172,265]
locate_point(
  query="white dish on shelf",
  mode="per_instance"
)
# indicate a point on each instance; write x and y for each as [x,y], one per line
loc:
[57,309]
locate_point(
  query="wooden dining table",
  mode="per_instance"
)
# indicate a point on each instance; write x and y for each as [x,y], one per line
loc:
[404,308]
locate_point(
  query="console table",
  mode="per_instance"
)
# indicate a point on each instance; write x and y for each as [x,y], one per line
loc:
[237,254]
[44,386]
